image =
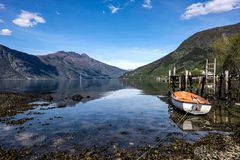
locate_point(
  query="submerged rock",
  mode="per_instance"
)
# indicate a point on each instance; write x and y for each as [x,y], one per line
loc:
[212,146]
[19,121]
[13,103]
[48,98]
[77,97]
[14,153]
[61,104]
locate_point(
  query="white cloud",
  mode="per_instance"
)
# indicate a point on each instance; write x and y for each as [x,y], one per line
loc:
[2,21]
[147,4]
[126,64]
[121,5]
[5,32]
[210,6]
[129,2]
[113,8]
[58,13]
[2,6]
[28,19]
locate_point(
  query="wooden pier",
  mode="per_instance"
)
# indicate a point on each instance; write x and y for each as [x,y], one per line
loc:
[222,86]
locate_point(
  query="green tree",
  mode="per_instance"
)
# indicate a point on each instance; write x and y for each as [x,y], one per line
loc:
[227,52]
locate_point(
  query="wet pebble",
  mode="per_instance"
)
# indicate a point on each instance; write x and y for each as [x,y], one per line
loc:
[77,97]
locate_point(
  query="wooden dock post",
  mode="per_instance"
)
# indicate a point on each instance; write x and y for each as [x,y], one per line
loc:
[183,83]
[220,86]
[169,76]
[174,71]
[226,81]
[179,82]
[214,74]
[238,90]
[186,78]
[173,83]
[203,85]
[190,82]
[206,68]
[199,85]
[230,83]
[230,87]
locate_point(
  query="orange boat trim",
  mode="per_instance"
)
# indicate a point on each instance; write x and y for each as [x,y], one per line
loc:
[187,97]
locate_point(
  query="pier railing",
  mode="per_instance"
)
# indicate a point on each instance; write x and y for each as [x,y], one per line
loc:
[225,86]
[222,86]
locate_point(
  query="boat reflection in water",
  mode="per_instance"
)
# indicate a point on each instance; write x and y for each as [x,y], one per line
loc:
[219,119]
[189,122]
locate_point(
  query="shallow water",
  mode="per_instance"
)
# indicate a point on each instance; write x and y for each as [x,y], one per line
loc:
[118,114]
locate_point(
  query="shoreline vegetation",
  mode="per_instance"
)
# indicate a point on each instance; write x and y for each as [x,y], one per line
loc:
[211,146]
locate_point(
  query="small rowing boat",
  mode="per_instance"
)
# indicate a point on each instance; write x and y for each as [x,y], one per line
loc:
[190,103]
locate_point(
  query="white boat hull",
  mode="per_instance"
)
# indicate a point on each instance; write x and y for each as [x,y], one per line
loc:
[192,108]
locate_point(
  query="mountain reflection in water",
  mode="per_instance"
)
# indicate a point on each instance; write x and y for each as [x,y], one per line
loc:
[125,114]
[63,88]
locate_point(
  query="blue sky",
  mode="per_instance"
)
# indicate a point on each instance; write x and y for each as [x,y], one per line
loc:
[124,33]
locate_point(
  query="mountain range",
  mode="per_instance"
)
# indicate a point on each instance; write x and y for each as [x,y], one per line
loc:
[60,65]
[191,54]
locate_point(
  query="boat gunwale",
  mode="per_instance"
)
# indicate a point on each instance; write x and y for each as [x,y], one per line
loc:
[188,102]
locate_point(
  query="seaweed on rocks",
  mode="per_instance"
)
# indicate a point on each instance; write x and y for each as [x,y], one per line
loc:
[13,103]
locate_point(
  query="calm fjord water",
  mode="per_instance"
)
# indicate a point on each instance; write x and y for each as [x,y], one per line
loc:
[117,114]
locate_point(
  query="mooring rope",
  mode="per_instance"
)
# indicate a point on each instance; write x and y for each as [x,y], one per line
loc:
[159,142]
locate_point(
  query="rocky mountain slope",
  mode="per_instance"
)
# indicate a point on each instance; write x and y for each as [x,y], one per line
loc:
[18,65]
[73,65]
[61,65]
[191,54]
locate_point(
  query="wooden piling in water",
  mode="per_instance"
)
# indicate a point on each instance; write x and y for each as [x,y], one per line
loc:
[226,81]
[190,83]
[174,71]
[220,86]
[214,74]
[183,84]
[206,68]
[230,93]
[186,79]
[174,83]
[203,85]
[238,91]
[230,83]
[179,82]
[169,76]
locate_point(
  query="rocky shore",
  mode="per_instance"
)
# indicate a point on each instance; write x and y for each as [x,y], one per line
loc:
[13,103]
[213,146]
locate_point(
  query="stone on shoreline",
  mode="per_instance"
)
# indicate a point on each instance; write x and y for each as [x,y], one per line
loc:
[13,103]
[77,97]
